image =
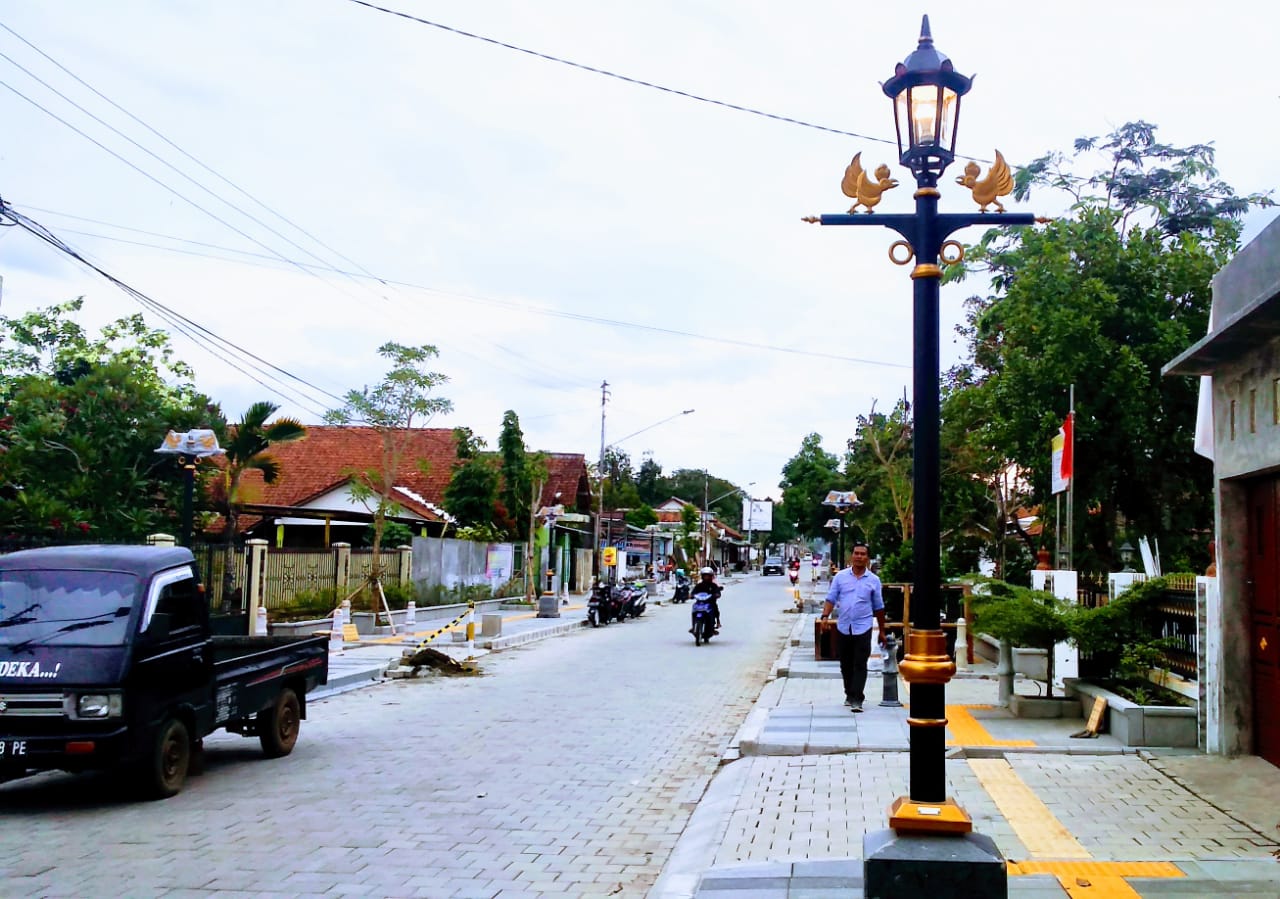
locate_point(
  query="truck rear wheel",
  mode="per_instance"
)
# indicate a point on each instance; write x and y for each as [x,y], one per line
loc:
[165,771]
[278,726]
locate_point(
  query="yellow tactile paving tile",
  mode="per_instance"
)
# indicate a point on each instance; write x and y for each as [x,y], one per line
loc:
[968,731]
[1032,822]
[1097,880]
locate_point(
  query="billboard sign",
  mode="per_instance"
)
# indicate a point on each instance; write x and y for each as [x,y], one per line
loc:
[757,515]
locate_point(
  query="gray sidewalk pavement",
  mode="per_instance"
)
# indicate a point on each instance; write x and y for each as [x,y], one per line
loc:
[806,778]
[366,662]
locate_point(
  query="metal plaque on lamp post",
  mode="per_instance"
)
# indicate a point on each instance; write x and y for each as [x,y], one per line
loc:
[190,447]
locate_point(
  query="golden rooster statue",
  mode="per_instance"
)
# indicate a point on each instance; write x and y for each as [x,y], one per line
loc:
[987,191]
[862,188]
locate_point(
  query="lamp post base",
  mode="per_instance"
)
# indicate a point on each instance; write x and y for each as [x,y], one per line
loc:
[937,866]
[548,606]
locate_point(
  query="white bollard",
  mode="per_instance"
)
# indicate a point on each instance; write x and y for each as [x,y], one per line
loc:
[260,623]
[962,645]
[411,614]
[335,632]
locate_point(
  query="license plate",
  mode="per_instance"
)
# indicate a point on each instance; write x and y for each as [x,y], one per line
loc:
[12,749]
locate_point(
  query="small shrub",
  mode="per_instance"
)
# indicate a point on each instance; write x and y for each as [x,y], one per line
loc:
[309,604]
[1019,616]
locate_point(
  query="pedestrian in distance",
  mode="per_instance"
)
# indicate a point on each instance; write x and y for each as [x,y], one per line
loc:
[855,597]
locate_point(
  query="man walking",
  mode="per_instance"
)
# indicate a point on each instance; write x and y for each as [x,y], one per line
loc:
[856,598]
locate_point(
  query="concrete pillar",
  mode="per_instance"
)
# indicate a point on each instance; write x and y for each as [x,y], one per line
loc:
[406,564]
[962,643]
[335,631]
[411,614]
[161,540]
[341,565]
[260,623]
[257,552]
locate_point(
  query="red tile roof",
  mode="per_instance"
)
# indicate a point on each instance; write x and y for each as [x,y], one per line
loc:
[328,456]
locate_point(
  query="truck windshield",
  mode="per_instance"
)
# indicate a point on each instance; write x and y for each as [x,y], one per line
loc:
[68,608]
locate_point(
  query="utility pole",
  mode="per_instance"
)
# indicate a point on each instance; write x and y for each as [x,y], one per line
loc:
[595,550]
[706,492]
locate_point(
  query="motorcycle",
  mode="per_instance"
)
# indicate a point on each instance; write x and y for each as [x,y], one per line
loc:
[794,574]
[682,592]
[704,622]
[637,598]
[618,596]
[599,607]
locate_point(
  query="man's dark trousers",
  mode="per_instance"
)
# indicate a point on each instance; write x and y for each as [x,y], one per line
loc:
[855,649]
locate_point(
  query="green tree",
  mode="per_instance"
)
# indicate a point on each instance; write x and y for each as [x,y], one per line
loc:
[247,444]
[650,483]
[473,487]
[80,419]
[641,517]
[877,465]
[690,540]
[806,479]
[516,480]
[401,401]
[1102,299]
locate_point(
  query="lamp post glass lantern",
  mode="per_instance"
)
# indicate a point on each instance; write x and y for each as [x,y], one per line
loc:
[925,91]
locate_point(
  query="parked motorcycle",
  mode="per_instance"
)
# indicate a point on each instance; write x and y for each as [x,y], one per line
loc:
[682,591]
[637,598]
[704,621]
[618,595]
[599,606]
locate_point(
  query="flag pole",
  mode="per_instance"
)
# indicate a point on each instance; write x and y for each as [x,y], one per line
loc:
[1071,484]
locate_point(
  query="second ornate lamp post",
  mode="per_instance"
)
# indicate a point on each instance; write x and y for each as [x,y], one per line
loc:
[926,91]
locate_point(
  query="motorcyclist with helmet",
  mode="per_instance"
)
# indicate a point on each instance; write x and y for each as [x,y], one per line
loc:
[709,586]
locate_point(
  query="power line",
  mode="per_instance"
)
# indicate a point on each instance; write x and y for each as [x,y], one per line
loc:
[507,304]
[200,335]
[156,180]
[198,162]
[627,78]
[737,107]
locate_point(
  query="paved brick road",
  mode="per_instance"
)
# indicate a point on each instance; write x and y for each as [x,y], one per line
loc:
[568,769]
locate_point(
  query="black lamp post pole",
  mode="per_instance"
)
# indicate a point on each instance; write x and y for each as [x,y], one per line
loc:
[927,666]
[188,496]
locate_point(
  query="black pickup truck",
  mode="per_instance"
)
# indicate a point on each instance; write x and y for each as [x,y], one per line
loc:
[106,660]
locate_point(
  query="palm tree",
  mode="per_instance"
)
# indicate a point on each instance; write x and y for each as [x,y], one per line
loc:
[246,450]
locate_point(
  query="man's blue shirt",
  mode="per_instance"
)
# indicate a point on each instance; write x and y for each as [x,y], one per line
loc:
[855,600]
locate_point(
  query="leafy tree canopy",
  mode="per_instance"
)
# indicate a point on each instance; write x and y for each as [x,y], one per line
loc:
[80,419]
[1102,300]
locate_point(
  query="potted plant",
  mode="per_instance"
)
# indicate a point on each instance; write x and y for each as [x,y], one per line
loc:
[1120,651]
[1022,617]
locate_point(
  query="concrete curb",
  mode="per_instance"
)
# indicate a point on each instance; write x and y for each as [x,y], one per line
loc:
[747,739]
[499,643]
[696,848]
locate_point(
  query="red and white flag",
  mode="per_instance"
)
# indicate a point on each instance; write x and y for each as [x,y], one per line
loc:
[1061,461]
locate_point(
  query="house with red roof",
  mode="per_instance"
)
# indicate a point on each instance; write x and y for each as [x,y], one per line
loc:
[311,503]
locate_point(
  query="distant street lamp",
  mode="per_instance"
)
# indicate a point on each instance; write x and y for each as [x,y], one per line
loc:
[190,447]
[842,501]
[926,91]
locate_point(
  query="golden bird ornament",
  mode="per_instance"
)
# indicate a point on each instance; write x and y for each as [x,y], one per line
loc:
[987,191]
[863,189]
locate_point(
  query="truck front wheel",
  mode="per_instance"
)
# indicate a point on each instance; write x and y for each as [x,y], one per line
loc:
[165,771]
[278,726]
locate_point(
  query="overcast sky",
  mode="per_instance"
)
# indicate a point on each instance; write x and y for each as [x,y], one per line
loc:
[548,227]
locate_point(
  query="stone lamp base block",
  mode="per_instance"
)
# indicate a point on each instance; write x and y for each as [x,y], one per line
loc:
[940,867]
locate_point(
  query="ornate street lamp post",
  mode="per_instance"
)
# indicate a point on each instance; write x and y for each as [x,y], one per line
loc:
[190,447]
[926,91]
[842,501]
